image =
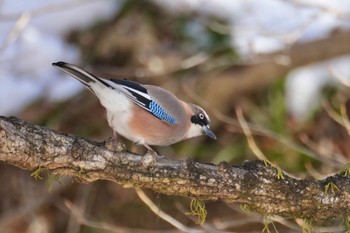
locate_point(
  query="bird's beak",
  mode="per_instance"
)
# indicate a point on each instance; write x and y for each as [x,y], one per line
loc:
[208,132]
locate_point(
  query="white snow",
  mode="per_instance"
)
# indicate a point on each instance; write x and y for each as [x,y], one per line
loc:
[25,61]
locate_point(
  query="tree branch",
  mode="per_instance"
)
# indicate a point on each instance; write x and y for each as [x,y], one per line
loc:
[29,147]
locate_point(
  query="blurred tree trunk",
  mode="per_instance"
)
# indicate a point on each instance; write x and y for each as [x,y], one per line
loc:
[239,80]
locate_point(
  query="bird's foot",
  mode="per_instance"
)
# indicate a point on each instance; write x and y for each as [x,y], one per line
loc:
[148,147]
[150,157]
[115,145]
[151,151]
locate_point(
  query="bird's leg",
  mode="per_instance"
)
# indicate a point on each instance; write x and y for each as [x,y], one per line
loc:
[148,147]
[114,135]
[150,157]
[151,151]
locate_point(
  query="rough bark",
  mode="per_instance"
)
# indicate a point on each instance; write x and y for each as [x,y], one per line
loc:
[29,147]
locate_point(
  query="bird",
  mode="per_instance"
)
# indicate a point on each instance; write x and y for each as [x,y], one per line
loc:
[144,114]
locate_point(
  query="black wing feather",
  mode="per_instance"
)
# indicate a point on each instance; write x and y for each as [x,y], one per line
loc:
[131,84]
[136,90]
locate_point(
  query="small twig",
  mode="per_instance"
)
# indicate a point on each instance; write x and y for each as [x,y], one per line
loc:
[335,74]
[345,118]
[153,207]
[325,9]
[322,149]
[207,227]
[332,113]
[17,28]
[47,9]
[341,119]
[16,215]
[252,145]
[313,172]
[235,223]
[251,142]
[81,219]
[193,61]
[81,199]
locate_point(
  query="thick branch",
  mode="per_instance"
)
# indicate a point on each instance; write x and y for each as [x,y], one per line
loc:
[29,147]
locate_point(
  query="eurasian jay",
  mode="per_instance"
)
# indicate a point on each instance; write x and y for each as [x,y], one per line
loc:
[144,114]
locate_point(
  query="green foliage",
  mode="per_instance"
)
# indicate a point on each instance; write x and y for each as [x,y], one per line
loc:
[81,171]
[347,226]
[197,208]
[219,43]
[333,187]
[280,174]
[269,109]
[37,174]
[51,178]
[344,170]
[267,223]
[245,208]
[231,153]
[276,107]
[307,226]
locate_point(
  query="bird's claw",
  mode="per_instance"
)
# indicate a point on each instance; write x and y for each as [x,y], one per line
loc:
[115,145]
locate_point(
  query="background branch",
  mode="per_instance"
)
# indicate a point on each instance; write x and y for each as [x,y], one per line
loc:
[234,81]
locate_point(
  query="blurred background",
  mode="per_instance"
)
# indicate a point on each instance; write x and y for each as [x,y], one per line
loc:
[285,64]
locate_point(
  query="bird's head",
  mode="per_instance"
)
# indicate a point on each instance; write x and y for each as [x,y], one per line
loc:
[200,123]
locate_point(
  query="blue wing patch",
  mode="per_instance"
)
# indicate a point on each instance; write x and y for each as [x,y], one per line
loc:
[139,95]
[159,112]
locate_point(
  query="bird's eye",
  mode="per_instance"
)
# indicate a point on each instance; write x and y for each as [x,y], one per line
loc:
[201,116]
